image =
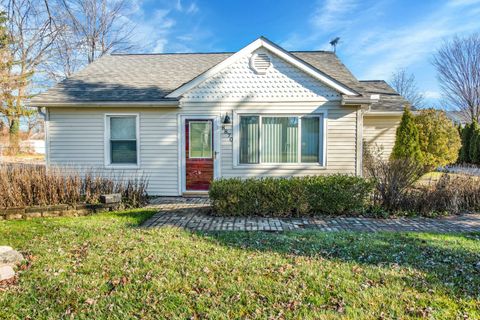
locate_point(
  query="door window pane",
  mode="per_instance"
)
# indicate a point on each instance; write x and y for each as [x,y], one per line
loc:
[279,139]
[310,139]
[124,152]
[123,128]
[200,139]
[249,139]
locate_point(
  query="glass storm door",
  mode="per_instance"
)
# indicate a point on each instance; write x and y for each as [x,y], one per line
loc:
[199,154]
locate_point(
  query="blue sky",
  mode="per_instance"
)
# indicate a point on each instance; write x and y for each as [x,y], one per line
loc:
[377,37]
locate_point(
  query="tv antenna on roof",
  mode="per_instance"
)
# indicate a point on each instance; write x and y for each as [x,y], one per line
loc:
[334,43]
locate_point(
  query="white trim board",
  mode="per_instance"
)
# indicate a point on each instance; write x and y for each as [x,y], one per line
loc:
[270,46]
[116,104]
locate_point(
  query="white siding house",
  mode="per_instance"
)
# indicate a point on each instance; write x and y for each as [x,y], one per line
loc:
[184,119]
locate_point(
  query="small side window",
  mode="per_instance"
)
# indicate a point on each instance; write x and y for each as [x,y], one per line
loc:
[123,140]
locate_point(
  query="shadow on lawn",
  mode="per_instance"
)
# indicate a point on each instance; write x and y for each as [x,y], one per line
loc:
[136,216]
[446,264]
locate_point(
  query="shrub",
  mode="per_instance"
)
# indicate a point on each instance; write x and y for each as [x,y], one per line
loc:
[474,146]
[397,191]
[285,197]
[392,178]
[466,137]
[407,143]
[451,194]
[31,185]
[439,139]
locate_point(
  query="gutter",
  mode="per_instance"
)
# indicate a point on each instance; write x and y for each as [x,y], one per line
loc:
[384,113]
[347,100]
[163,103]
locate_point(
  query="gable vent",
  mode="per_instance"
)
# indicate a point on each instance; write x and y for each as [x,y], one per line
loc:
[260,62]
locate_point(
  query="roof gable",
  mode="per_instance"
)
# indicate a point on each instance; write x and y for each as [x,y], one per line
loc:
[278,51]
[147,79]
[280,81]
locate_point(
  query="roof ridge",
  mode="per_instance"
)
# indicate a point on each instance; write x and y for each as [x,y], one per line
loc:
[167,53]
[373,81]
[194,53]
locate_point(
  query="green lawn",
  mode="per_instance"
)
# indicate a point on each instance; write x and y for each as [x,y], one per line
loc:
[104,267]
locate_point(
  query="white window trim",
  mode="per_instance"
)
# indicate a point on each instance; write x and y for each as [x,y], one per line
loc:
[107,148]
[210,123]
[302,165]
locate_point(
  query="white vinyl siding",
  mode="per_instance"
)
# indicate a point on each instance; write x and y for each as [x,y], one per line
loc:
[76,136]
[380,131]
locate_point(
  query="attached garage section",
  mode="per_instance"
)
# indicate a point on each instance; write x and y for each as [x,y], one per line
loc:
[379,131]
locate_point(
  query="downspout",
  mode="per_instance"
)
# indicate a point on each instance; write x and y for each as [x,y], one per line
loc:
[41,113]
[44,115]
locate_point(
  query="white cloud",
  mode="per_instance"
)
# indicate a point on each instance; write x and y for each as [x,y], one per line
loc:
[178,5]
[374,45]
[327,14]
[462,2]
[432,94]
[160,45]
[159,29]
[401,48]
[192,8]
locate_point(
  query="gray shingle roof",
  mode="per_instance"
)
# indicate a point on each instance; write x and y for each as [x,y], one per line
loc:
[150,77]
[390,100]
[131,78]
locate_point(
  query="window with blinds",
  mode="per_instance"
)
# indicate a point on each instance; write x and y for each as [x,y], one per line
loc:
[280,139]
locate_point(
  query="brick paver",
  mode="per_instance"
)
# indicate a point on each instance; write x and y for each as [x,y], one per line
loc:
[192,214]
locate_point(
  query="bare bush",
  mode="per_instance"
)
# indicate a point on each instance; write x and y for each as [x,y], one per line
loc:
[451,194]
[30,185]
[393,177]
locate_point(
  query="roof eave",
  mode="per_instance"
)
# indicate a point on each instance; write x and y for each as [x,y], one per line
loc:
[154,104]
[362,100]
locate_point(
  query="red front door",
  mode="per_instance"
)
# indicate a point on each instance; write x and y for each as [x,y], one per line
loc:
[199,154]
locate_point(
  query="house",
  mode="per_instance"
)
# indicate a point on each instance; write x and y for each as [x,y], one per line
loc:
[185,119]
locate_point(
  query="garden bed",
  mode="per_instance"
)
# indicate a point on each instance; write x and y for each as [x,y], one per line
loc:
[25,188]
[59,210]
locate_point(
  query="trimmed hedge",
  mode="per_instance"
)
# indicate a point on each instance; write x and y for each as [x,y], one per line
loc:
[290,197]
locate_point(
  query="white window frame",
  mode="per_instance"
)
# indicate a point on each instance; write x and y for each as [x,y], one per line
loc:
[210,123]
[298,164]
[107,152]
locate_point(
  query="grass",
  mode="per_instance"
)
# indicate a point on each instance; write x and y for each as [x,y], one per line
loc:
[104,267]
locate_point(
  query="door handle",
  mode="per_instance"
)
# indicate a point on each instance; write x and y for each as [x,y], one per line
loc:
[215,154]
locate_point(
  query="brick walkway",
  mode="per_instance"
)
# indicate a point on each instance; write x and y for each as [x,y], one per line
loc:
[192,214]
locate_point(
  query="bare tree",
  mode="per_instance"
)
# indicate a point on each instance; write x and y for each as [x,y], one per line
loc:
[458,71]
[31,33]
[90,29]
[406,86]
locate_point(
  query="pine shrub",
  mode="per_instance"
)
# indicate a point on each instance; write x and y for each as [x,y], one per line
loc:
[438,138]
[474,144]
[466,138]
[407,144]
